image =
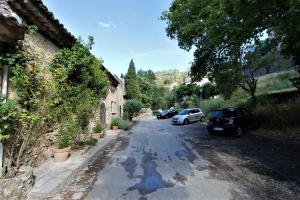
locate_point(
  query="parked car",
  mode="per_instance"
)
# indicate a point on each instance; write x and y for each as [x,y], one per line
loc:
[166,114]
[186,116]
[232,120]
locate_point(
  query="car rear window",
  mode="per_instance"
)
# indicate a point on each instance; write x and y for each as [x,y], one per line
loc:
[223,113]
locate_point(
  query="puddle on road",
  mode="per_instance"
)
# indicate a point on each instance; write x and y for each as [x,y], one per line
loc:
[129,165]
[185,155]
[151,179]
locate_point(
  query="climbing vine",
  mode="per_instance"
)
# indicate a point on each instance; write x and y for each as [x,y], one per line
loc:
[79,82]
[70,88]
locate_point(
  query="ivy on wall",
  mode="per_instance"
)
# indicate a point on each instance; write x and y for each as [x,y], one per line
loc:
[73,91]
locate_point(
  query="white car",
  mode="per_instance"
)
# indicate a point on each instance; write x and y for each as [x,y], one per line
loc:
[186,116]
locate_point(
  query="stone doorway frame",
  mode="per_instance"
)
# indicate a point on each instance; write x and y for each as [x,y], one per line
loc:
[102,114]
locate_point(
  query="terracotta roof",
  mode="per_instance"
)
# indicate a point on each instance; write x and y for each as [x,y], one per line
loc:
[10,30]
[34,12]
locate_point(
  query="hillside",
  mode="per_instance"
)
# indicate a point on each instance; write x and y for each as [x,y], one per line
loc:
[170,78]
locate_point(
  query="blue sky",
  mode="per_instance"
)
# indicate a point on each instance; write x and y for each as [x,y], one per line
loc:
[123,29]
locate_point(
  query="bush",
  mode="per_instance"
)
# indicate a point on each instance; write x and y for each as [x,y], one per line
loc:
[120,123]
[115,122]
[125,116]
[98,128]
[279,116]
[132,107]
[123,125]
[67,130]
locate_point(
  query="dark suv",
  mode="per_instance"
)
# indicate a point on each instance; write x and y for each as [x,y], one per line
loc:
[232,120]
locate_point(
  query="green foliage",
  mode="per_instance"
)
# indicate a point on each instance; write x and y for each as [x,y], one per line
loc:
[227,81]
[132,107]
[98,128]
[148,74]
[67,131]
[163,98]
[147,87]
[115,122]
[222,31]
[9,114]
[184,90]
[125,116]
[26,81]
[120,123]
[209,90]
[79,82]
[131,83]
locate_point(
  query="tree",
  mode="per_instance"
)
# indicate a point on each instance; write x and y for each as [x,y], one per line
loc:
[149,74]
[184,90]
[255,59]
[209,90]
[221,30]
[132,107]
[131,82]
[162,98]
[147,87]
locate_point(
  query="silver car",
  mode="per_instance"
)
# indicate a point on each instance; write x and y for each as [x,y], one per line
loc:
[187,116]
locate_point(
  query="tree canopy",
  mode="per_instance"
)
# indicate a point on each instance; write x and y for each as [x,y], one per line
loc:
[131,82]
[221,29]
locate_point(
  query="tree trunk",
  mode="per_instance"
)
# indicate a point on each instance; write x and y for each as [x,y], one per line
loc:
[253,98]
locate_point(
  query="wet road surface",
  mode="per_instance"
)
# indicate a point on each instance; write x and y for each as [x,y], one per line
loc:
[157,163]
[158,160]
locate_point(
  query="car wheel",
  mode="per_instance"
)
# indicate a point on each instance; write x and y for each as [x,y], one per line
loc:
[202,119]
[186,122]
[239,132]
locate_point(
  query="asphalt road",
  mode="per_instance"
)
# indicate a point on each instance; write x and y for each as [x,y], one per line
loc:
[158,160]
[156,163]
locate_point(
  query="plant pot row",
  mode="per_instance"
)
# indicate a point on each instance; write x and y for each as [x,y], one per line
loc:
[61,155]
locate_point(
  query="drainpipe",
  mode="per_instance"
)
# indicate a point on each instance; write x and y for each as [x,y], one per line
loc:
[5,83]
[4,94]
[1,158]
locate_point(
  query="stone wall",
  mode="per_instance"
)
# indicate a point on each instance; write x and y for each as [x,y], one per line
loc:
[113,102]
[4,7]
[40,46]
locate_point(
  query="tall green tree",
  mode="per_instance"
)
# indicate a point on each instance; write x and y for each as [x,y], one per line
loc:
[131,82]
[147,86]
[221,30]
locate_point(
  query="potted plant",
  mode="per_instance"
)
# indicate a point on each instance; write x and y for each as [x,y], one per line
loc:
[97,131]
[115,124]
[62,150]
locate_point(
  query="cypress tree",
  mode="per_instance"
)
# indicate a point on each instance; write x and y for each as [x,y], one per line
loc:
[131,82]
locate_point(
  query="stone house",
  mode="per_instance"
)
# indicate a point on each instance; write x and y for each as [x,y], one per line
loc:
[15,18]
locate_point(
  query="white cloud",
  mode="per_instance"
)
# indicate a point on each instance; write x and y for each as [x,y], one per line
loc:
[106,25]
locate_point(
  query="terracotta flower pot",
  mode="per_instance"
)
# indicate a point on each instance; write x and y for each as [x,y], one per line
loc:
[115,128]
[96,136]
[61,155]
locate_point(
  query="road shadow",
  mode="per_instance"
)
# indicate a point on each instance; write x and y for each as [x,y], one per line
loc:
[276,158]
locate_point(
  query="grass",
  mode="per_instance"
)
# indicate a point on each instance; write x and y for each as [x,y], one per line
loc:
[273,116]
[265,84]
